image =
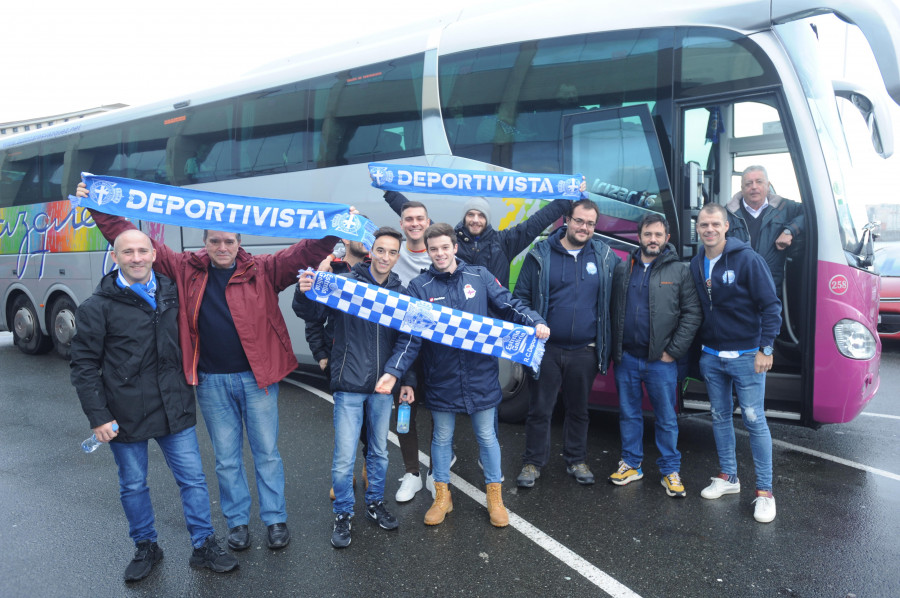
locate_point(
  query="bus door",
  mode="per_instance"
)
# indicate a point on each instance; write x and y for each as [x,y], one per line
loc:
[618,152]
[718,141]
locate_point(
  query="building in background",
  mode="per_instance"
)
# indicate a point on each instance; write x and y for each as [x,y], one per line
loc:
[33,124]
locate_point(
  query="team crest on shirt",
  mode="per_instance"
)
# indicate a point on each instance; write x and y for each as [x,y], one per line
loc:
[469,291]
[728,277]
[591,268]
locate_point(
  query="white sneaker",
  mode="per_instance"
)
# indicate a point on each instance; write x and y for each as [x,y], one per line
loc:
[719,487]
[409,485]
[764,512]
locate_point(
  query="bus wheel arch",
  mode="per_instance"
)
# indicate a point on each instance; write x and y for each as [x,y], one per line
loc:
[26,327]
[516,396]
[61,324]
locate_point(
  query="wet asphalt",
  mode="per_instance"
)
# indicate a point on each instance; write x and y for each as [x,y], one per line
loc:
[837,533]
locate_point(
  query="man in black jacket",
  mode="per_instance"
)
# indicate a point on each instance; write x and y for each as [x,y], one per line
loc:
[656,313]
[361,349]
[126,368]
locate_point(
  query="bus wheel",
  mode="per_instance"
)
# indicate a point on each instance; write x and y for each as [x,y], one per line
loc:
[27,331]
[516,396]
[62,319]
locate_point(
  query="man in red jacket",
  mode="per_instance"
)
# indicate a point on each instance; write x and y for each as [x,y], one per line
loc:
[236,349]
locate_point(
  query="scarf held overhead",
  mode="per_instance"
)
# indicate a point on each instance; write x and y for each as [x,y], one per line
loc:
[219,211]
[437,323]
[447,181]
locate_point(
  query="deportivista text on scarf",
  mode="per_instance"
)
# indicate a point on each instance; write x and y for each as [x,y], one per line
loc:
[223,212]
[447,181]
[434,322]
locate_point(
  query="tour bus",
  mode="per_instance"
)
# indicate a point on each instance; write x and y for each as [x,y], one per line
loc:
[660,105]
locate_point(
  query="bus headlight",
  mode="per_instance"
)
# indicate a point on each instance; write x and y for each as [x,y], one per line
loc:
[854,340]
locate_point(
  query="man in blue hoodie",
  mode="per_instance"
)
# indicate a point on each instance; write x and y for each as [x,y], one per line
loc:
[567,279]
[741,317]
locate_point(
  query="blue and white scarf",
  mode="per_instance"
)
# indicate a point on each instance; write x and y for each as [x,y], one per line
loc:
[447,181]
[146,291]
[437,323]
[220,211]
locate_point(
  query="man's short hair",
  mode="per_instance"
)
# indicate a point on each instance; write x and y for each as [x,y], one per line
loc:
[206,234]
[652,218]
[754,168]
[387,231]
[413,204]
[583,203]
[717,208]
[440,229]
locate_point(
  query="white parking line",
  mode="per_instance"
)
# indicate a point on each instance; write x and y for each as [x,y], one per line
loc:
[885,415]
[569,558]
[802,449]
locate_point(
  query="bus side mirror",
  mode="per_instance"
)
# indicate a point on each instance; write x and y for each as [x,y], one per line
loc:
[876,115]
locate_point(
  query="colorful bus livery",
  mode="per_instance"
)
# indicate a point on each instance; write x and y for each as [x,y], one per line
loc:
[53,227]
[51,257]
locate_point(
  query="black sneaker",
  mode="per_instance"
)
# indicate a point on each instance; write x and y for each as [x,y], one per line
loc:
[212,556]
[340,537]
[377,512]
[146,554]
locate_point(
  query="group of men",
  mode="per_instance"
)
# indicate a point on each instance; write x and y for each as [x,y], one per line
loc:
[215,312]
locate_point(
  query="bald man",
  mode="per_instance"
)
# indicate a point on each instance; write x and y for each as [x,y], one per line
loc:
[126,369]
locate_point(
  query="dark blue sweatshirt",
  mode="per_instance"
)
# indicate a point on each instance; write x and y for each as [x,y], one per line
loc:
[572,304]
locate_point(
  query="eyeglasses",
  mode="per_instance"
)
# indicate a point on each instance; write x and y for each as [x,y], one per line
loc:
[579,222]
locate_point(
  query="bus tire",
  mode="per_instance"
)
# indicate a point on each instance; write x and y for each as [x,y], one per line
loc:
[514,407]
[27,333]
[62,325]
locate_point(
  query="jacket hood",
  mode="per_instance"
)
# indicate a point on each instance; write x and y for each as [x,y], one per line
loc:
[361,270]
[666,255]
[463,235]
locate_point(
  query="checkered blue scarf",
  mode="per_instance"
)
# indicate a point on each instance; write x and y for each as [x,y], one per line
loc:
[437,323]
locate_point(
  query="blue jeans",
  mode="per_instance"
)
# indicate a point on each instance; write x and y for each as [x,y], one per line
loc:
[721,375]
[349,410]
[228,403]
[442,444]
[182,455]
[660,378]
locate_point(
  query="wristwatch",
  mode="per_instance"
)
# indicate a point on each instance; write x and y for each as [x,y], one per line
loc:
[767,351]
[787,231]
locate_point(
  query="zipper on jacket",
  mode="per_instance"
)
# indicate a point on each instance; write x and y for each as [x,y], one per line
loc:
[196,316]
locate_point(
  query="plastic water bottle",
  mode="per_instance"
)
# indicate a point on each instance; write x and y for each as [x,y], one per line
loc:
[403,418]
[92,444]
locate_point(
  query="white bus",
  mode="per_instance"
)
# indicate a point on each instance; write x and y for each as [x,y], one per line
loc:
[659,104]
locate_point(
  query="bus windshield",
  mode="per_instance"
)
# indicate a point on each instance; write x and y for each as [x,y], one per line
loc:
[800,41]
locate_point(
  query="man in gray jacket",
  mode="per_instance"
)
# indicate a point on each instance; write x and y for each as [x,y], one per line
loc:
[656,313]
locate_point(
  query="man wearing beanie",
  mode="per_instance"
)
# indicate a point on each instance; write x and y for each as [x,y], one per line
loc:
[481,245]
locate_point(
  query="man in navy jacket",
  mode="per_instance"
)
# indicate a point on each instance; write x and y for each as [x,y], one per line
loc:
[458,381]
[567,279]
[741,317]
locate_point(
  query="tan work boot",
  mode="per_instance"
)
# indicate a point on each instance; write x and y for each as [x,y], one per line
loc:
[499,516]
[443,504]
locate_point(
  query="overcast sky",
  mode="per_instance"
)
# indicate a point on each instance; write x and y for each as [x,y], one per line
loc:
[61,56]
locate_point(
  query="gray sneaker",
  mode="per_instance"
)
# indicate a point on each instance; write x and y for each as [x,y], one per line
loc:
[581,472]
[528,475]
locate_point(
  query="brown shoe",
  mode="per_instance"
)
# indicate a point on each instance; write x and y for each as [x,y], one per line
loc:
[443,504]
[499,516]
